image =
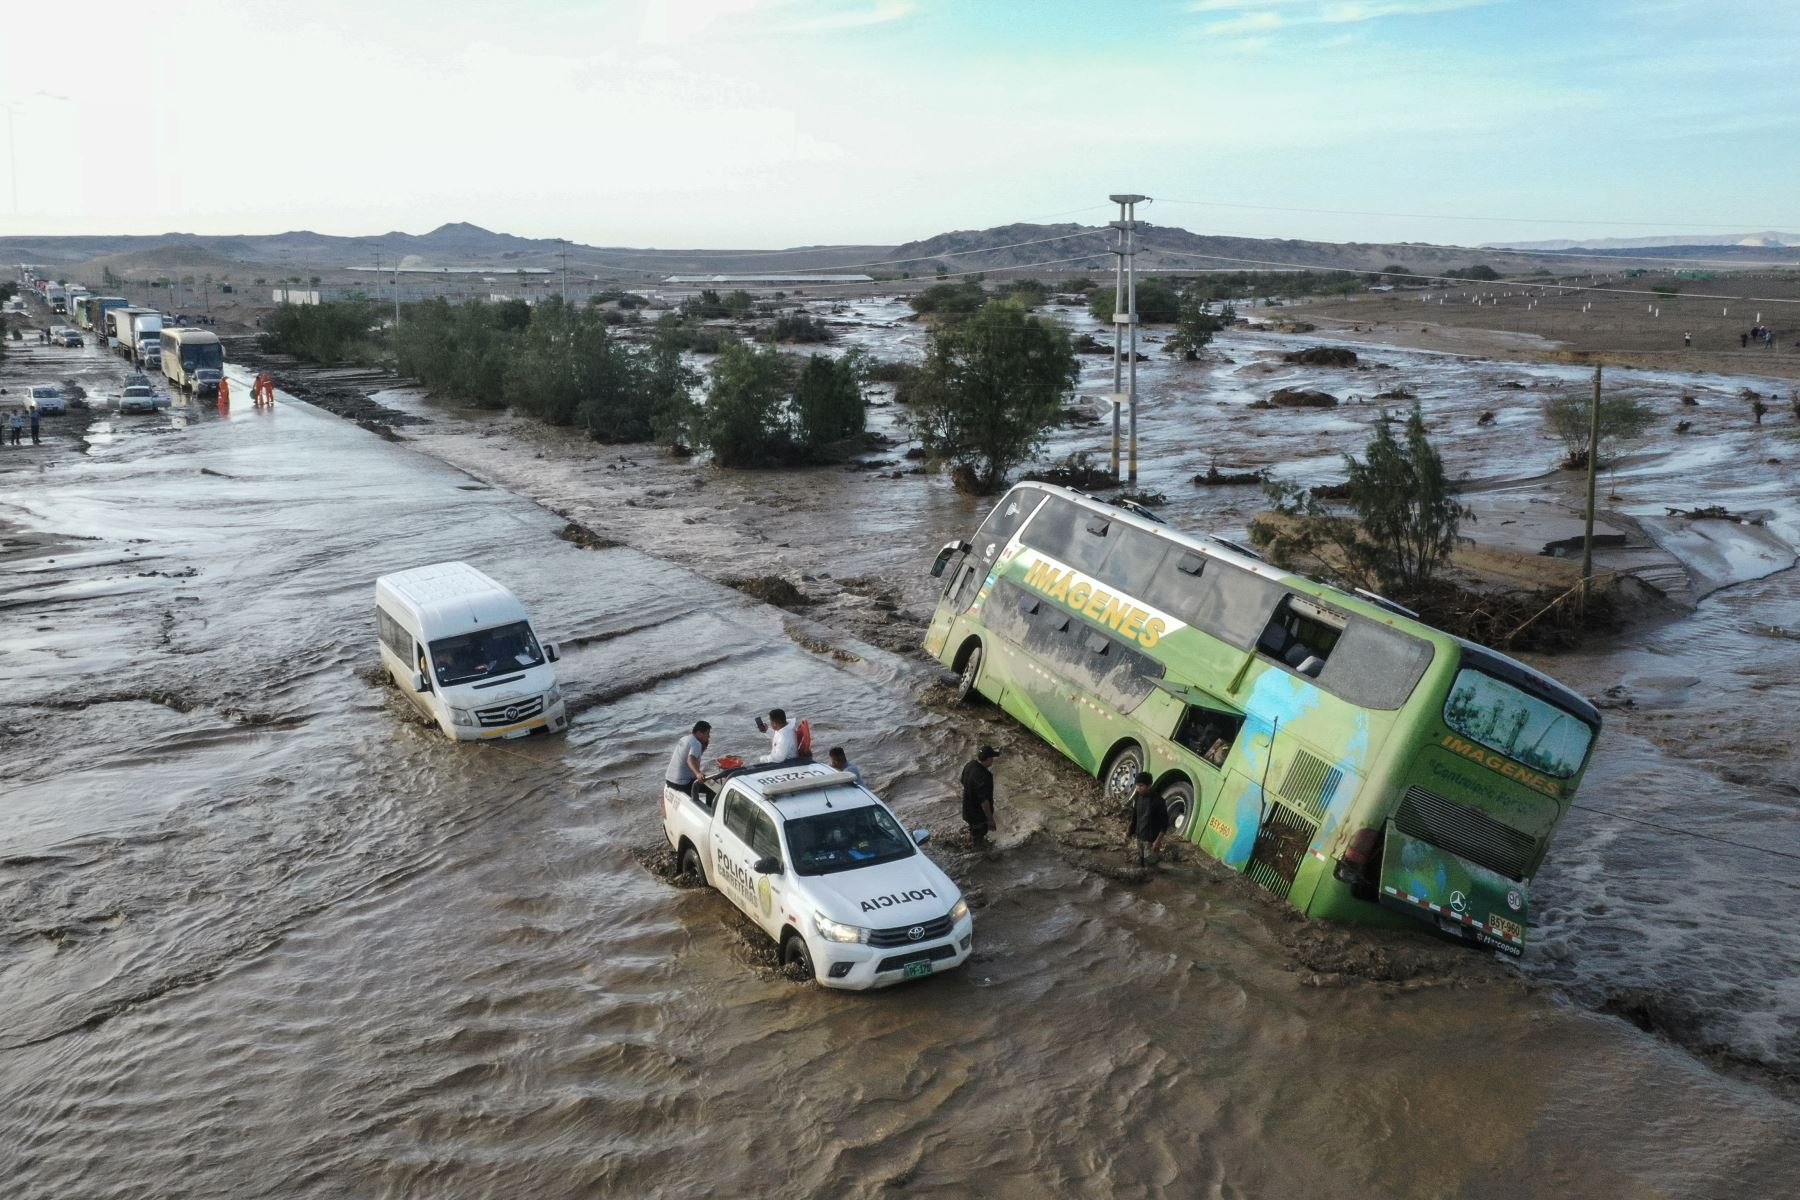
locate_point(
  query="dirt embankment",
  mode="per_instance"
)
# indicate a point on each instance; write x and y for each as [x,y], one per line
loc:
[344,390]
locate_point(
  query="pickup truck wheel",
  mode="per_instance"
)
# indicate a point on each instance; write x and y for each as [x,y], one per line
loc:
[690,863]
[794,952]
[965,682]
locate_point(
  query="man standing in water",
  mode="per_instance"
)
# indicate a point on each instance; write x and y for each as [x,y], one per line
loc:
[687,770]
[1147,819]
[978,797]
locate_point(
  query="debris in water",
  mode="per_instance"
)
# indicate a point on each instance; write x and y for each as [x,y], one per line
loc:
[770,589]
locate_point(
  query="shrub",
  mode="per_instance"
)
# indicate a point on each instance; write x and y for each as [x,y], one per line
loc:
[948,299]
[1157,302]
[334,332]
[798,327]
[992,386]
[746,421]
[828,400]
[1622,415]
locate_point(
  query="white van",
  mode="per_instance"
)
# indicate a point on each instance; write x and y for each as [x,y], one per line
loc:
[462,648]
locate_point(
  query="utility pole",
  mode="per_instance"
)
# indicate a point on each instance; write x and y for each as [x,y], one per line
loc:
[1593,467]
[565,268]
[1126,281]
[1125,314]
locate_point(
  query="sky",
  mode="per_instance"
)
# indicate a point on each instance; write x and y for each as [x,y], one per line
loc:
[771,123]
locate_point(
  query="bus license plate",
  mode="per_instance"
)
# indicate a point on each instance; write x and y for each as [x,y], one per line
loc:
[916,970]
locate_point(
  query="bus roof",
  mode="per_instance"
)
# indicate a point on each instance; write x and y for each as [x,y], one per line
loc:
[451,597]
[183,333]
[1487,659]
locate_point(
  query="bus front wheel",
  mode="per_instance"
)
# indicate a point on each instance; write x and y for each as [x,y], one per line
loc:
[1122,772]
[971,671]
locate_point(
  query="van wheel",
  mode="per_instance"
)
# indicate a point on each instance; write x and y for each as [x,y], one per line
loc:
[795,953]
[1122,773]
[971,671]
[1179,797]
[690,863]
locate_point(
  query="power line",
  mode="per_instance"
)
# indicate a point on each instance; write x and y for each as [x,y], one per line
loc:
[1354,212]
[1705,837]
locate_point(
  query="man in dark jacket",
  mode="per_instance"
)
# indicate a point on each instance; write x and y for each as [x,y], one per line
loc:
[1148,819]
[978,797]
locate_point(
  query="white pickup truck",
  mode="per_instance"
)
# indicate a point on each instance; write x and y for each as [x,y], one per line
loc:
[824,868]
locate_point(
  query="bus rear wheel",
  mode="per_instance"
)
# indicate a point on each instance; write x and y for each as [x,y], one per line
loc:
[1122,773]
[1179,796]
[971,671]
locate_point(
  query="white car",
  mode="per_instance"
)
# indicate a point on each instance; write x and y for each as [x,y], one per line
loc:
[139,398]
[47,398]
[823,867]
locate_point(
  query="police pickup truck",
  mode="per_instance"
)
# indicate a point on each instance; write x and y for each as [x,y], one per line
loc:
[822,866]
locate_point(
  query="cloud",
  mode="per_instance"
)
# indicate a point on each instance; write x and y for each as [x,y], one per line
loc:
[1265,16]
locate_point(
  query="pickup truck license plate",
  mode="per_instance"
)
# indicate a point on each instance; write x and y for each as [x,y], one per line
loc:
[916,970]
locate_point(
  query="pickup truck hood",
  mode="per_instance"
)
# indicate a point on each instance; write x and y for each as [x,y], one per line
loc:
[881,897]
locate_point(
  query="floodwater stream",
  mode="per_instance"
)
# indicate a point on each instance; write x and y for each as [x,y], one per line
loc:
[262,934]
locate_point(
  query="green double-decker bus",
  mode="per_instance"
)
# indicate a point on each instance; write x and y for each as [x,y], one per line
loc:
[1337,750]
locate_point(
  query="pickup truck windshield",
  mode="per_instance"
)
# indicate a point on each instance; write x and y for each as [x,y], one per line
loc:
[844,839]
[1517,724]
[484,653]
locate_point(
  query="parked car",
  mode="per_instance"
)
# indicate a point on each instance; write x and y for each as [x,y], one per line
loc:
[66,336]
[47,398]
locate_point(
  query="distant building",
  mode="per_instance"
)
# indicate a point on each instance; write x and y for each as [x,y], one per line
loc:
[770,279]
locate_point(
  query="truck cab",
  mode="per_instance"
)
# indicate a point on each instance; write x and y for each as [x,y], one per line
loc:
[822,866]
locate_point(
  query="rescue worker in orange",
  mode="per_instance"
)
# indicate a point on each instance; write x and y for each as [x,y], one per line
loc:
[264,390]
[224,395]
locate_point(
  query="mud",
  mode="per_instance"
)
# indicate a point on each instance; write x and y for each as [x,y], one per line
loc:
[444,964]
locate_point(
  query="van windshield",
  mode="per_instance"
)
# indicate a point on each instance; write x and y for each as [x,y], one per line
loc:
[485,653]
[845,838]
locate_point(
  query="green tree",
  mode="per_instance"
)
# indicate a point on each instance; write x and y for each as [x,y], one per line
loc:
[746,421]
[334,332]
[1568,414]
[737,304]
[1407,515]
[828,400]
[948,299]
[564,361]
[1195,328]
[1157,302]
[991,388]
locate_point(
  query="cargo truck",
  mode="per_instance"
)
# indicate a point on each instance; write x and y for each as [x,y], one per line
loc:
[97,310]
[57,296]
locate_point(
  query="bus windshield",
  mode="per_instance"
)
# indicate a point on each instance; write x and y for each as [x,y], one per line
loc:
[209,355]
[845,838]
[1517,724]
[485,653]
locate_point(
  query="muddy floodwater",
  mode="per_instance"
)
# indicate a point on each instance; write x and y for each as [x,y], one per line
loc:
[263,934]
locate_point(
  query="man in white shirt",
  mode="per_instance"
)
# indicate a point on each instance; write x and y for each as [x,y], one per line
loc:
[784,743]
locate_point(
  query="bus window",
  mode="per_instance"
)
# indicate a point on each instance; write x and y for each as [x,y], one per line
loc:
[968,584]
[1375,666]
[1003,522]
[1519,725]
[1061,530]
[1215,597]
[1131,564]
[1301,635]
[1209,732]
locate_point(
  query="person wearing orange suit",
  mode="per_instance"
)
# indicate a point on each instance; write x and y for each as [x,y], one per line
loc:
[224,395]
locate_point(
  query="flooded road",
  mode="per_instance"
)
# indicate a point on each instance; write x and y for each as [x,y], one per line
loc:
[265,935]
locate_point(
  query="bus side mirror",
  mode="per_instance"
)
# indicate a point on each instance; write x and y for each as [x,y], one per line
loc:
[768,866]
[420,683]
[921,836]
[950,550]
[550,651]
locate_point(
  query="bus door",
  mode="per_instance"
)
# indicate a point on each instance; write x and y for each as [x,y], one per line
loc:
[1208,731]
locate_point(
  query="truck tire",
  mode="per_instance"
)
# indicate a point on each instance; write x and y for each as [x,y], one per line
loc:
[1179,796]
[971,672]
[690,863]
[794,952]
[1121,773]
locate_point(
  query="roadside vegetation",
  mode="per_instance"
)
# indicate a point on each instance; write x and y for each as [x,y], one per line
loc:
[765,409]
[339,332]
[1568,414]
[1406,517]
[991,388]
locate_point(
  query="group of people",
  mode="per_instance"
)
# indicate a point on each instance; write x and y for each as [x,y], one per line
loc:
[1758,333]
[1146,818]
[789,743]
[262,390]
[15,429]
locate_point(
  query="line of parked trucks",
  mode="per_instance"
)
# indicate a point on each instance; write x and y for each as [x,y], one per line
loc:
[193,360]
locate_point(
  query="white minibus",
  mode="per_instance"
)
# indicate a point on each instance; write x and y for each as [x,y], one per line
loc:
[462,648]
